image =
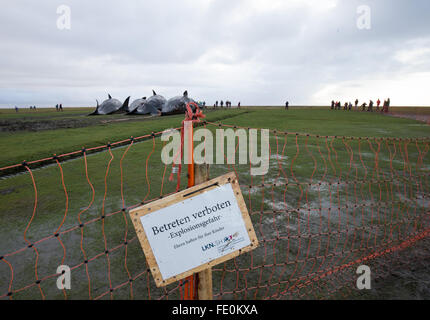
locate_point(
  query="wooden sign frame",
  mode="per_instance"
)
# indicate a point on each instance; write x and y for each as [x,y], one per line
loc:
[137,213]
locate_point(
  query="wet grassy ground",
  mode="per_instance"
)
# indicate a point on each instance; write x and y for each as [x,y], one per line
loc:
[276,210]
[23,143]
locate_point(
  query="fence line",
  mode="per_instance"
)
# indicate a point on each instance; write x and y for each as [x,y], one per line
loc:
[327,204]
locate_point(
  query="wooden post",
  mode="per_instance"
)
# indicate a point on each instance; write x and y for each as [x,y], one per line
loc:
[204,278]
[189,287]
[197,174]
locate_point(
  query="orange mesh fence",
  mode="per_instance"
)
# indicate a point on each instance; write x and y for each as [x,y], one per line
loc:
[326,205]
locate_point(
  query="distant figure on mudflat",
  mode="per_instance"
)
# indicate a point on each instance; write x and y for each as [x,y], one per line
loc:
[16,109]
[238,105]
[386,105]
[287,104]
[370,109]
[356,104]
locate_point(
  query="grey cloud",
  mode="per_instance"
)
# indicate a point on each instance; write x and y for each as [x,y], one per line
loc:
[216,49]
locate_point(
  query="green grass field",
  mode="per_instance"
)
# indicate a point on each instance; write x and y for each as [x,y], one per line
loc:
[299,160]
[28,145]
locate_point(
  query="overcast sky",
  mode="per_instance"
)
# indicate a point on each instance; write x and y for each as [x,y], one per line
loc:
[259,52]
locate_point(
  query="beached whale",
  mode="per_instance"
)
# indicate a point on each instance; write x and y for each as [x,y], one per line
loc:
[150,106]
[146,109]
[177,105]
[129,108]
[111,106]
[157,101]
[143,108]
[136,104]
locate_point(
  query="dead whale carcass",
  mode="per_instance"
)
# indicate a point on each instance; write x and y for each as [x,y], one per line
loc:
[111,106]
[136,104]
[157,101]
[177,105]
[129,108]
[146,109]
[151,106]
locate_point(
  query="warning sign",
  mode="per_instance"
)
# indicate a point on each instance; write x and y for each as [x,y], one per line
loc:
[194,229]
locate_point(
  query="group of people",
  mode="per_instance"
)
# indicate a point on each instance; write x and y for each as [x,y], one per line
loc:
[31,108]
[59,107]
[227,104]
[364,106]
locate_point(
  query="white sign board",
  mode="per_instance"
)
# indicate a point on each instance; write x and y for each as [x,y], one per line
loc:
[197,228]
